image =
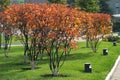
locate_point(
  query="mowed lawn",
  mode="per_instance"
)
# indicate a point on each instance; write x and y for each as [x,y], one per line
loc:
[12,68]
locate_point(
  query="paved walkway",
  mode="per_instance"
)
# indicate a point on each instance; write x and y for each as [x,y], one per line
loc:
[115,72]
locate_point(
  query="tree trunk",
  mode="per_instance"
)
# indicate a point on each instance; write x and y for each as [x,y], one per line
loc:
[68,52]
[87,43]
[5,49]
[5,52]
[94,50]
[41,56]
[55,72]
[0,41]
[25,52]
[32,63]
[25,58]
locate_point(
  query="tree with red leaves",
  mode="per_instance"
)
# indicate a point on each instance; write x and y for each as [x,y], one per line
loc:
[95,27]
[49,28]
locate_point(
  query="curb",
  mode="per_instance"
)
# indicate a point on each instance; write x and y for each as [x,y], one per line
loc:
[113,69]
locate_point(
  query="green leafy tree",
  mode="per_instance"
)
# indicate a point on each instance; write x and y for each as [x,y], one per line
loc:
[4,4]
[88,5]
[58,1]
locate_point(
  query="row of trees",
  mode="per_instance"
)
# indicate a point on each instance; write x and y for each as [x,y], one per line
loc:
[51,29]
[86,5]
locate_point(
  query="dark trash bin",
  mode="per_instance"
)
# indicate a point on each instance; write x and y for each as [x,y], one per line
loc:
[88,67]
[114,43]
[105,51]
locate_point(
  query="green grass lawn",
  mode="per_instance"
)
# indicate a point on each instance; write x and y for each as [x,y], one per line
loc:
[12,68]
[14,40]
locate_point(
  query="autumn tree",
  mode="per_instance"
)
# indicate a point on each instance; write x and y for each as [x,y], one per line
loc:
[6,33]
[57,27]
[85,20]
[1,29]
[15,15]
[96,27]
[49,27]
[26,19]
[65,29]
[87,6]
[3,5]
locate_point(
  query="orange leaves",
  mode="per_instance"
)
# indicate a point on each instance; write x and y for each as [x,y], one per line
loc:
[57,18]
[52,35]
[8,32]
[73,44]
[95,24]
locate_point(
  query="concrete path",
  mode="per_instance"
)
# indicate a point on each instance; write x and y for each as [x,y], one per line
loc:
[115,72]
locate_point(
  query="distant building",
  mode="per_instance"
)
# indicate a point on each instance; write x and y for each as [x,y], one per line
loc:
[114,6]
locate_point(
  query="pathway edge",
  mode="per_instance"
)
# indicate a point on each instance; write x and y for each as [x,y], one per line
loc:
[113,69]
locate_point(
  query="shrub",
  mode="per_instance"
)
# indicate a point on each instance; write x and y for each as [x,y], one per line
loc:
[112,38]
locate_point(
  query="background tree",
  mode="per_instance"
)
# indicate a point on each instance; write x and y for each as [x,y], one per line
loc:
[99,25]
[3,5]
[6,33]
[1,29]
[58,1]
[86,22]
[88,5]
[16,14]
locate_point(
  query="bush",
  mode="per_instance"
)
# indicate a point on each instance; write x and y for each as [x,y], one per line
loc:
[112,38]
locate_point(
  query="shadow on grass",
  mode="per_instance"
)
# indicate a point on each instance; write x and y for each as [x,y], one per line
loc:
[82,71]
[25,69]
[79,56]
[51,75]
[29,68]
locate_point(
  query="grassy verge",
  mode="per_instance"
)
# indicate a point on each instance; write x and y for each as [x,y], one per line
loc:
[12,68]
[14,40]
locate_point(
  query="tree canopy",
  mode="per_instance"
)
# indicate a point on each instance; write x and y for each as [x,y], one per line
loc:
[88,5]
[4,4]
[52,29]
